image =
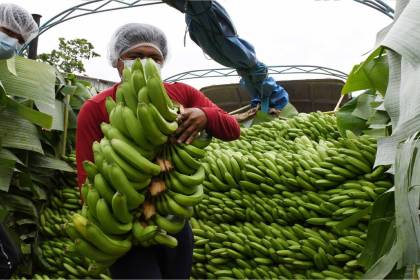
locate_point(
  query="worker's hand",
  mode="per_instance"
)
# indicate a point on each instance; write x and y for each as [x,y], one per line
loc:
[191,122]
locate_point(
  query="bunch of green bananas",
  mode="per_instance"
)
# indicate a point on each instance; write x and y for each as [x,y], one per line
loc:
[261,251]
[273,198]
[63,202]
[55,253]
[141,187]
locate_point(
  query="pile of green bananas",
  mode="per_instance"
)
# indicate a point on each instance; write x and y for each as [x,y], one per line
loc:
[274,197]
[63,202]
[54,254]
[142,185]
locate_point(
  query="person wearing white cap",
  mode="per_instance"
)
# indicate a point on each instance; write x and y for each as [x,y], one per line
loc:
[16,28]
[129,42]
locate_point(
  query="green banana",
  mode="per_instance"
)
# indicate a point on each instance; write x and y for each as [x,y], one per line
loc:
[171,224]
[135,158]
[164,126]
[158,97]
[137,80]
[178,209]
[98,238]
[121,183]
[192,180]
[107,221]
[177,186]
[112,133]
[193,151]
[103,188]
[92,200]
[179,163]
[202,141]
[142,233]
[85,190]
[131,172]
[127,90]
[135,129]
[143,96]
[117,121]
[71,231]
[190,161]
[106,243]
[88,250]
[90,169]
[120,208]
[151,129]
[188,200]
[166,240]
[110,104]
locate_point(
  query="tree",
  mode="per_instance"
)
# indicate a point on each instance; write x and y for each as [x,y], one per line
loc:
[69,56]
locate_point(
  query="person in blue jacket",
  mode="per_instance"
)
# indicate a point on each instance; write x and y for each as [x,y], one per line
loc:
[16,28]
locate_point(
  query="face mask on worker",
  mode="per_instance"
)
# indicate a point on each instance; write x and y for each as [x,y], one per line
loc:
[129,63]
[9,46]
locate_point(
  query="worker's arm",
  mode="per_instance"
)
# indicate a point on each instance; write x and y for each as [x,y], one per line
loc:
[202,113]
[88,131]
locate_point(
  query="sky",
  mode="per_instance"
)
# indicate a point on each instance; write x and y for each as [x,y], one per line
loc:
[330,33]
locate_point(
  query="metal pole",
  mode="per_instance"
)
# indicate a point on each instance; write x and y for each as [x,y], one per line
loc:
[33,46]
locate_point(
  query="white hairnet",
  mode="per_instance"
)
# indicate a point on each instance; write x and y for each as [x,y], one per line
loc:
[132,34]
[18,20]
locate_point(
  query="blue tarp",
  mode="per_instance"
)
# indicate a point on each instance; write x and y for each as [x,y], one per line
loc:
[211,28]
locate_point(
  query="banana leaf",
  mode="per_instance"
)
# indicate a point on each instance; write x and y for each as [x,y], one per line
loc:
[364,108]
[57,115]
[6,173]
[15,203]
[380,254]
[407,195]
[347,121]
[370,74]
[8,155]
[48,162]
[34,81]
[11,66]
[28,113]
[17,132]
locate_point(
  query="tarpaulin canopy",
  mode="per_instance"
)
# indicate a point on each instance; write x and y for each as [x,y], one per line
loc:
[211,28]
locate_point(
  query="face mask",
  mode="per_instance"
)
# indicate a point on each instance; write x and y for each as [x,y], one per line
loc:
[8,46]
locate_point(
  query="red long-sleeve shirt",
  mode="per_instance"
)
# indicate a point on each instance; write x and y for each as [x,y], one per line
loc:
[93,112]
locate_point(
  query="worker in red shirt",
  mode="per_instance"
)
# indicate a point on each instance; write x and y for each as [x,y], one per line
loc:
[143,41]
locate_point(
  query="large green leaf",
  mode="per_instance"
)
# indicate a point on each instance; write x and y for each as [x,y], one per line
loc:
[50,163]
[370,74]
[364,108]
[22,110]
[6,173]
[407,187]
[57,115]
[15,203]
[347,121]
[34,81]
[381,230]
[17,132]
[8,155]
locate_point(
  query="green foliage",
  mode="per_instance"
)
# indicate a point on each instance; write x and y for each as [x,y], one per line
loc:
[70,54]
